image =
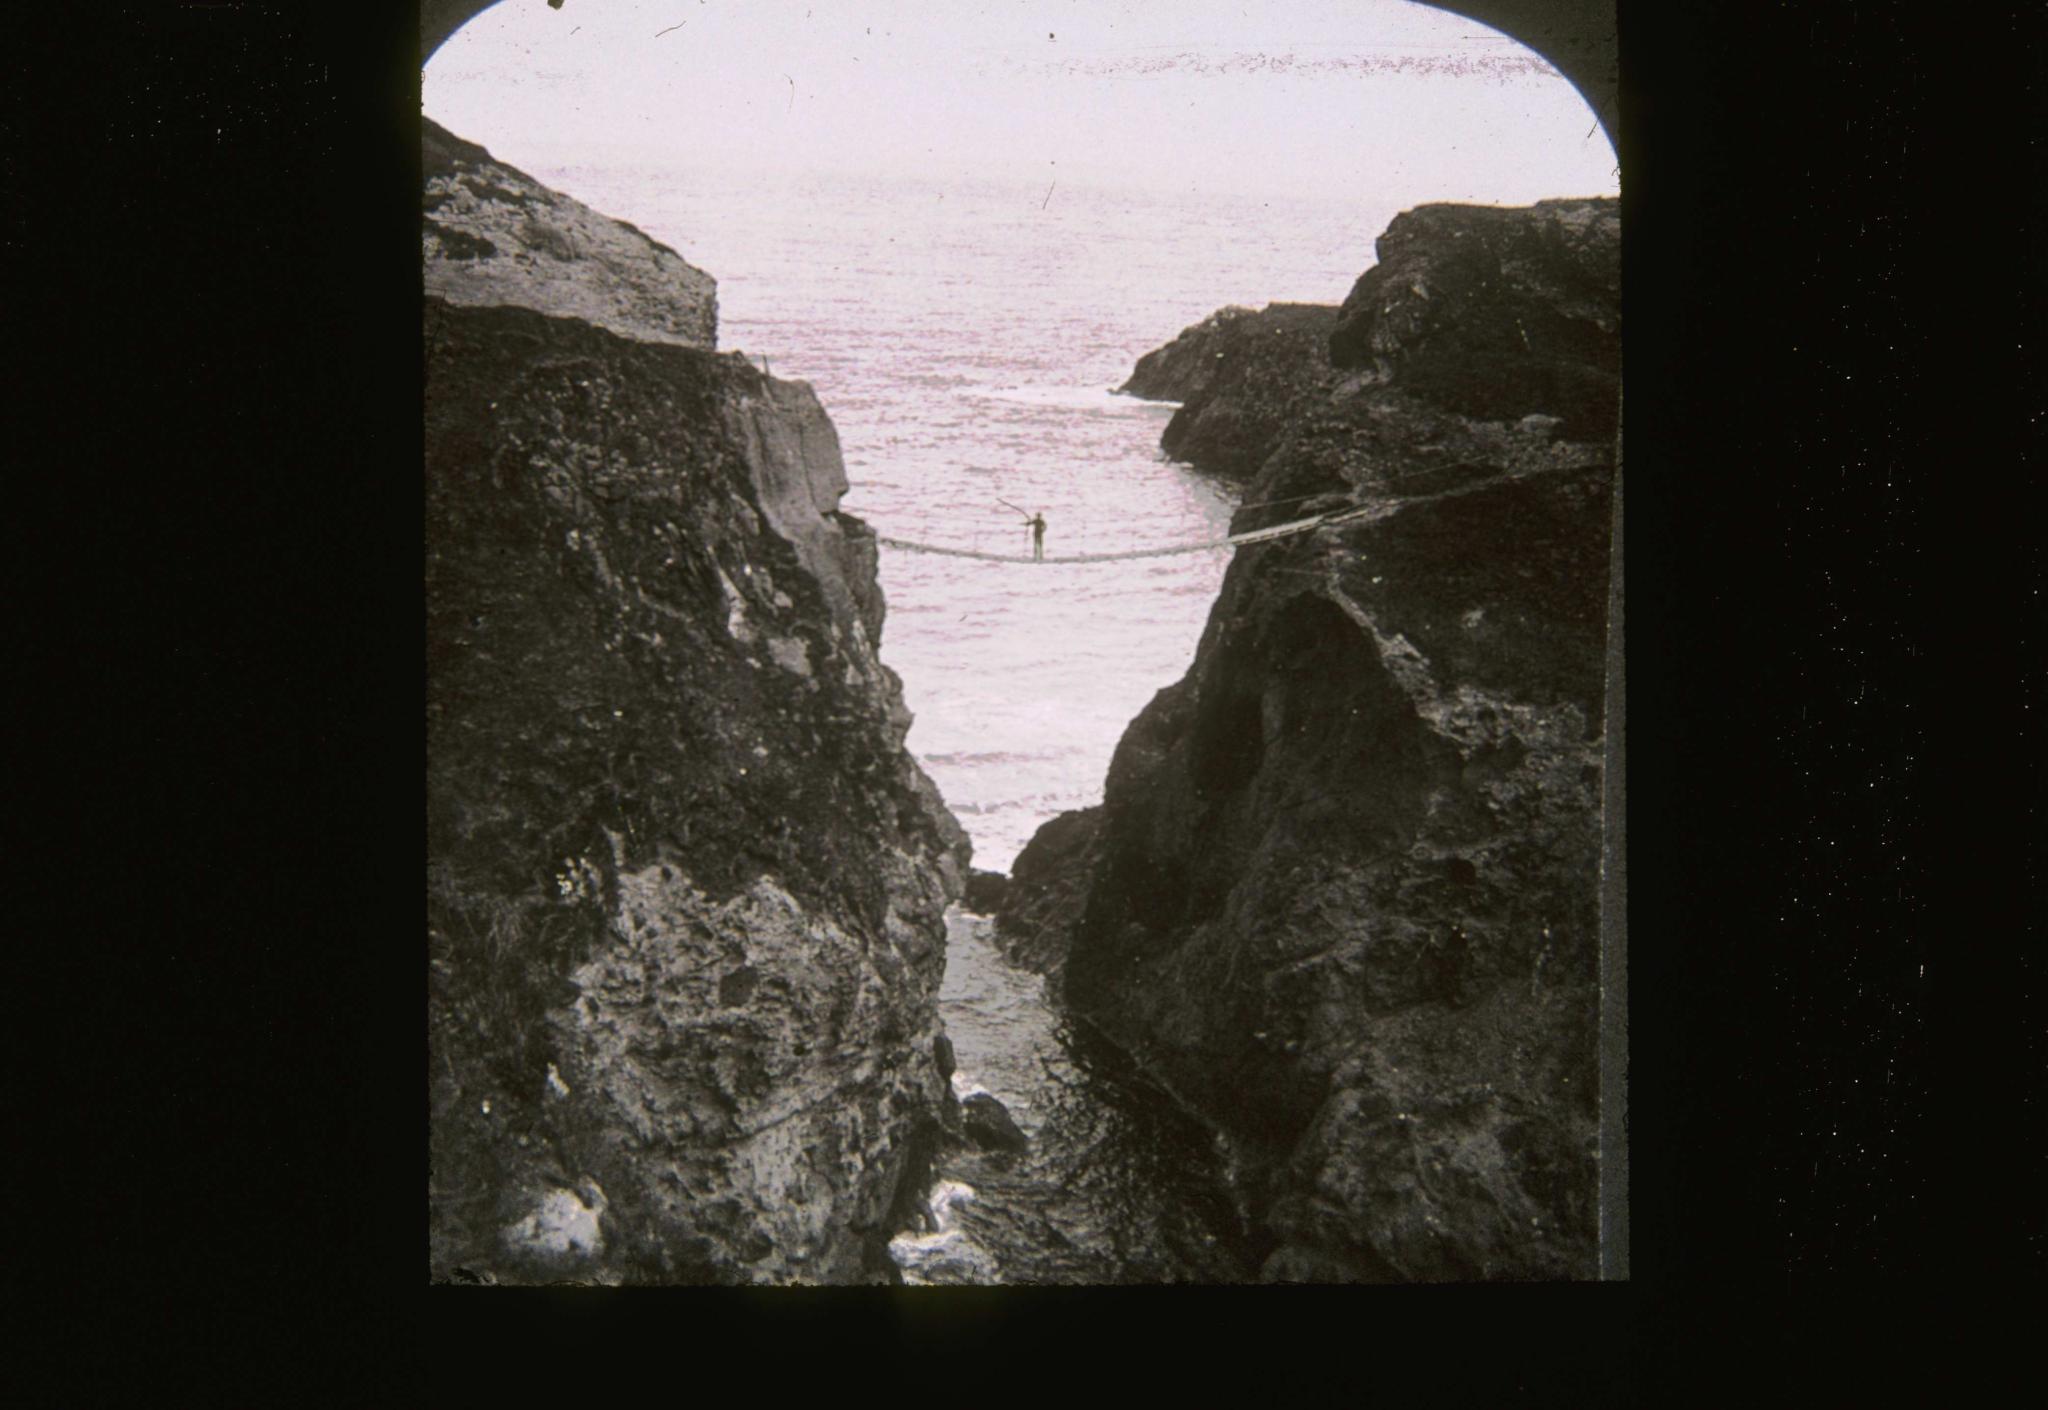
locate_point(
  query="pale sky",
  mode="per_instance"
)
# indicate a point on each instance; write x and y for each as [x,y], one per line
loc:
[1306,97]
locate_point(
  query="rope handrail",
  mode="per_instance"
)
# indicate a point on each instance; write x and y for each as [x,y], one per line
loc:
[1376,510]
[1274,531]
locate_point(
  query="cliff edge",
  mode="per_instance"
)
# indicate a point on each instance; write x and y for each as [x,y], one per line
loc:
[1341,896]
[492,235]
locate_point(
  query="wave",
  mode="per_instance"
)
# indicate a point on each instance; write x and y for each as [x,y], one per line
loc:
[1043,804]
[997,756]
[943,1254]
[1095,399]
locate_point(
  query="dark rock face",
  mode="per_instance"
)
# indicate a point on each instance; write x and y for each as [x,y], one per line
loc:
[985,891]
[1272,366]
[1240,377]
[987,1123]
[685,888]
[1185,365]
[1494,312]
[1048,890]
[1342,893]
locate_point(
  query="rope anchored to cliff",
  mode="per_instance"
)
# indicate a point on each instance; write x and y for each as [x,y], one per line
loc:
[1379,509]
[1276,531]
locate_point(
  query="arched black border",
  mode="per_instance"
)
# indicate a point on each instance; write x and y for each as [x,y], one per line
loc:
[212,223]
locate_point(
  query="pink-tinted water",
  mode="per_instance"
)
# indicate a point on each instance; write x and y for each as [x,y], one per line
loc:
[964,338]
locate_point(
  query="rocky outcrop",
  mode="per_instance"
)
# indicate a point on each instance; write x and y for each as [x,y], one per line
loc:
[1184,366]
[985,891]
[1494,312]
[1240,377]
[1048,890]
[492,235]
[1342,893]
[685,887]
[988,1124]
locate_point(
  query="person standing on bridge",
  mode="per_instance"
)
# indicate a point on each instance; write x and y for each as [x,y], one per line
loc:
[1035,523]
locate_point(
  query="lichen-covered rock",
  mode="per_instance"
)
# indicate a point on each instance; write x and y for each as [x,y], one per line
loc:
[1342,893]
[490,234]
[686,889]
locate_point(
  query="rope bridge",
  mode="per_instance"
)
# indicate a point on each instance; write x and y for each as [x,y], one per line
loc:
[1276,531]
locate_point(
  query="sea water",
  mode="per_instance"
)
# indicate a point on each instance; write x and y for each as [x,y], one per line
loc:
[964,337]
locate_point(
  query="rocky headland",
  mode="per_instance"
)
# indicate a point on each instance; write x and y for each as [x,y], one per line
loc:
[685,886]
[1241,377]
[1342,895]
[492,235]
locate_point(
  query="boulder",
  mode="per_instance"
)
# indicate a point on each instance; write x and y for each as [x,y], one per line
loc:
[988,1124]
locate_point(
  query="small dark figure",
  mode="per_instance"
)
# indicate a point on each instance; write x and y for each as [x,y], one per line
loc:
[1038,537]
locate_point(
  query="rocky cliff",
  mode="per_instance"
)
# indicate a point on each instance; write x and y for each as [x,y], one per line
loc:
[1184,366]
[1342,893]
[685,887]
[490,234]
[1047,891]
[1495,312]
[1241,377]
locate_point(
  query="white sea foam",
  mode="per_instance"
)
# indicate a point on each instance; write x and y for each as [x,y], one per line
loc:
[1070,398]
[945,1195]
[944,1253]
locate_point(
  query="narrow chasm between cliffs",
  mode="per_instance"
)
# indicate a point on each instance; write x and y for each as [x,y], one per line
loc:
[1311,995]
